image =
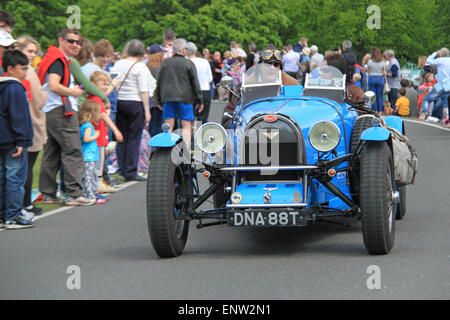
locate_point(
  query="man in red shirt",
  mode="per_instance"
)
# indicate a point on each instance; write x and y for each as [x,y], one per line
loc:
[63,144]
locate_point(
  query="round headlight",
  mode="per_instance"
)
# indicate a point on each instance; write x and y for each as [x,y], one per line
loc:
[324,136]
[236,198]
[211,137]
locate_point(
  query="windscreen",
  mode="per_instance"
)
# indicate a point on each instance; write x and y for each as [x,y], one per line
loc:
[262,74]
[326,77]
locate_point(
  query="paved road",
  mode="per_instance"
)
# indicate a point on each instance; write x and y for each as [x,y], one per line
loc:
[110,249]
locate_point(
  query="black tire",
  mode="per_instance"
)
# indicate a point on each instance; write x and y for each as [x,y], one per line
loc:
[401,206]
[168,235]
[376,198]
[221,197]
[361,123]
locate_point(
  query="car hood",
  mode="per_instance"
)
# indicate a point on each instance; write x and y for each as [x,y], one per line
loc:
[306,111]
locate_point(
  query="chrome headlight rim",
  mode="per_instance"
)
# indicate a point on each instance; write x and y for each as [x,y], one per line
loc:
[198,139]
[334,125]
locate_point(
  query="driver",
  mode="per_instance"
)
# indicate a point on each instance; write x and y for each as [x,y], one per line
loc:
[273,57]
[270,57]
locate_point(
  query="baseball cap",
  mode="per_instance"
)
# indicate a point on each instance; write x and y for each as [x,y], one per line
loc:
[6,39]
[155,48]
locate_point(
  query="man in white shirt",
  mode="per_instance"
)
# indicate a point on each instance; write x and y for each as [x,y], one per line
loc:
[290,61]
[316,57]
[204,76]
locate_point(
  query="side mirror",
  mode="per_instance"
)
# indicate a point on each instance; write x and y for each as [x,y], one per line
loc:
[370,98]
[227,82]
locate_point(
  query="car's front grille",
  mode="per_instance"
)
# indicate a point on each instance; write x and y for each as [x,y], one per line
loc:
[277,143]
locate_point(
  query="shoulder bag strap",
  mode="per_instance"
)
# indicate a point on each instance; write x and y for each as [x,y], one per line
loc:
[126,76]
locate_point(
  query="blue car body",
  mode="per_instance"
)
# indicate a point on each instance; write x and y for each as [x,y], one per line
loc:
[287,156]
[303,112]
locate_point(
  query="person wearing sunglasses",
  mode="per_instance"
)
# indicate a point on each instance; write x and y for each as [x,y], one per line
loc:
[273,57]
[63,144]
[6,21]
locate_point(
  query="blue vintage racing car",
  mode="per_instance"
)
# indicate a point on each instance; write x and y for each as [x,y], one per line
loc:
[291,156]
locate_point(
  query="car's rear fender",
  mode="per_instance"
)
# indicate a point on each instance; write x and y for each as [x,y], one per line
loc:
[396,123]
[383,134]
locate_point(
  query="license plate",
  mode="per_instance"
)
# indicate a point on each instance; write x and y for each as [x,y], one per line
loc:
[266,219]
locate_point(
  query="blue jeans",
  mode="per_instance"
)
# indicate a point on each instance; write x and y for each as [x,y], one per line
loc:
[154,127]
[13,174]
[393,96]
[376,84]
[113,119]
[441,102]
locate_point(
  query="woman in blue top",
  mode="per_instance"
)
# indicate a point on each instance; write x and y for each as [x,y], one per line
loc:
[89,112]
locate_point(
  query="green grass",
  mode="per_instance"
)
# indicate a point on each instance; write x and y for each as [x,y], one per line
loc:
[36,169]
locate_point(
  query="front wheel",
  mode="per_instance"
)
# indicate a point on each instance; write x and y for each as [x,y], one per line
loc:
[167,229]
[376,198]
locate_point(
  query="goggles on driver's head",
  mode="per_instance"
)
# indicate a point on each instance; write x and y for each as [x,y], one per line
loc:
[269,54]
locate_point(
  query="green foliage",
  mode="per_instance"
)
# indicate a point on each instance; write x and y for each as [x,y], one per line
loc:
[410,27]
[41,19]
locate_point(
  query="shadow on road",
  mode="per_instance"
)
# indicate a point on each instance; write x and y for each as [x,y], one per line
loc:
[315,239]
[227,242]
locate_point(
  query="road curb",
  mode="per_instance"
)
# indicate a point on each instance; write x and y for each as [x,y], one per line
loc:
[434,125]
[66,208]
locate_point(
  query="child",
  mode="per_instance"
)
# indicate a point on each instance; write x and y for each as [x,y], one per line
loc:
[89,112]
[236,75]
[428,85]
[16,135]
[357,79]
[402,104]
[387,109]
[102,81]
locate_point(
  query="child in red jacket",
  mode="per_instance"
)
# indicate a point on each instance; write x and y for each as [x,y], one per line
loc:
[102,81]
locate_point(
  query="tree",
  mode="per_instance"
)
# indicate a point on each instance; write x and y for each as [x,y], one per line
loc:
[40,19]
[410,27]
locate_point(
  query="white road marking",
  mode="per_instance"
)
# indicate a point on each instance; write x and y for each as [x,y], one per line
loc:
[65,208]
[430,124]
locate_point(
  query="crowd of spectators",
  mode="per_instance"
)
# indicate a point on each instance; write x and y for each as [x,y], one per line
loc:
[92,110]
